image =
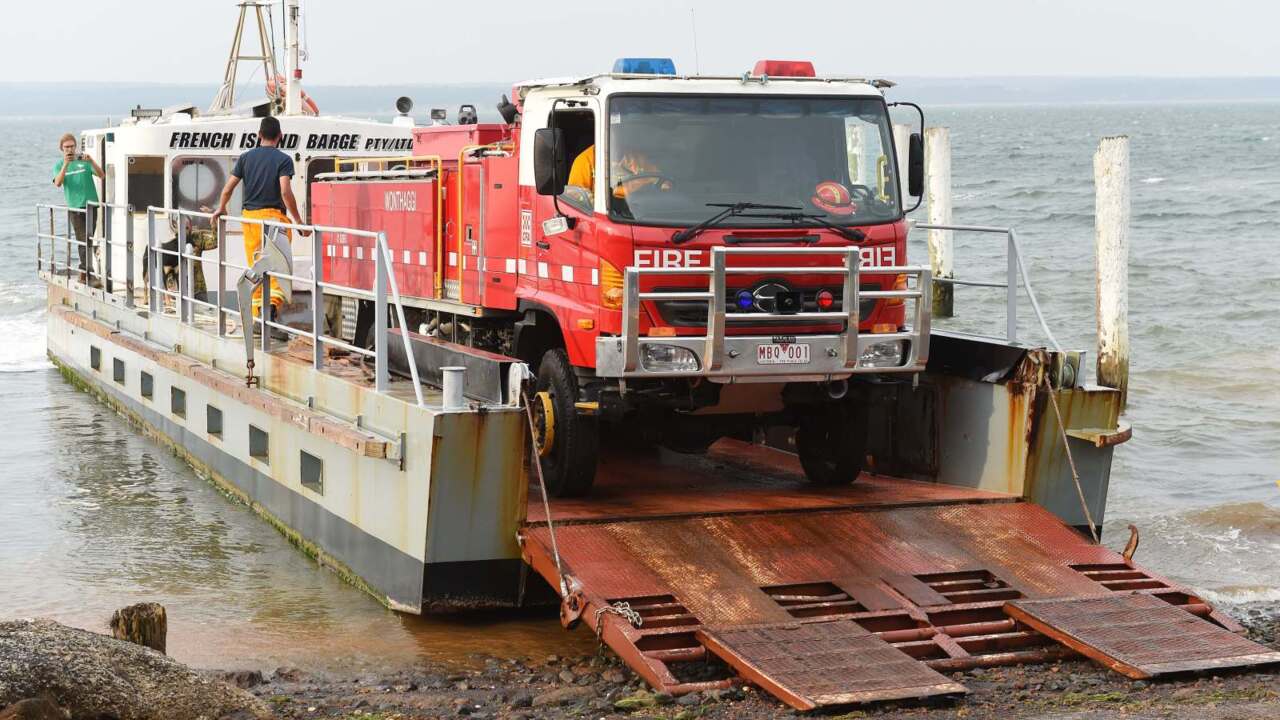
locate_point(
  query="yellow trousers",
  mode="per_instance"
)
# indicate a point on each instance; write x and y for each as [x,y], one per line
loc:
[253,244]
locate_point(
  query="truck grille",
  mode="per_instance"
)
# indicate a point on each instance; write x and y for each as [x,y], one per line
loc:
[693,313]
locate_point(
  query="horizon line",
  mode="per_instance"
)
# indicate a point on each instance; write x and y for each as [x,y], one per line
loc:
[163,83]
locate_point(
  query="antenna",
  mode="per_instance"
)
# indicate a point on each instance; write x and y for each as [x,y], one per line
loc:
[693,25]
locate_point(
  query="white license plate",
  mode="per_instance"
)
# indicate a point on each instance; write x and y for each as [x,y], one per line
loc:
[782,353]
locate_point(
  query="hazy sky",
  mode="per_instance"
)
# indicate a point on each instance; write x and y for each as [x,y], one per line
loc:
[389,41]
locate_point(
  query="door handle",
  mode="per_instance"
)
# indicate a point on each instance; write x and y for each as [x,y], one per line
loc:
[544,245]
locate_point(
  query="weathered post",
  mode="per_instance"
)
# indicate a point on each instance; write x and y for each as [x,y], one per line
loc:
[142,624]
[937,170]
[901,143]
[1111,259]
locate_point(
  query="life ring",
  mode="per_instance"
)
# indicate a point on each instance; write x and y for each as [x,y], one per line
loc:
[275,91]
[194,165]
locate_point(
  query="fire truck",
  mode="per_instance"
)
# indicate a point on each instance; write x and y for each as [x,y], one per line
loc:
[678,258]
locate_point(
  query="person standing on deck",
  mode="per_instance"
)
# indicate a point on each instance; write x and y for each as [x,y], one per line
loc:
[74,173]
[266,172]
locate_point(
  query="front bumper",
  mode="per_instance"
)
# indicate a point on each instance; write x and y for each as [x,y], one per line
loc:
[726,358]
[828,358]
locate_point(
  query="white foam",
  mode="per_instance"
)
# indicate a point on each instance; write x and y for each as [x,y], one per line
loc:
[22,342]
[1152,180]
[1241,595]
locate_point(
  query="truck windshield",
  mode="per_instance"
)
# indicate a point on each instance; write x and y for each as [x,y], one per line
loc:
[669,156]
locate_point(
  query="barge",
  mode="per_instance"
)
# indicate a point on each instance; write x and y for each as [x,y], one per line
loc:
[737,438]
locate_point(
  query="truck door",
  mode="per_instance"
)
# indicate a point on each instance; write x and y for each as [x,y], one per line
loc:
[563,276]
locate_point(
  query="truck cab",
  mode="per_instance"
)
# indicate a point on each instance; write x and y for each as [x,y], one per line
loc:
[734,260]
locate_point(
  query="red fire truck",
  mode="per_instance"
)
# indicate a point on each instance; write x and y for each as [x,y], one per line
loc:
[678,258]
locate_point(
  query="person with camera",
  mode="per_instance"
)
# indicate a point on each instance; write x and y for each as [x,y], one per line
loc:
[74,173]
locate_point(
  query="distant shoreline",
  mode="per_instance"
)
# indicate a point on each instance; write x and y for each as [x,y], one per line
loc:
[115,98]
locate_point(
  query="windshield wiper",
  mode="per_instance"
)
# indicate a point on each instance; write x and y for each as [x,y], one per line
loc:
[848,233]
[739,210]
[730,210]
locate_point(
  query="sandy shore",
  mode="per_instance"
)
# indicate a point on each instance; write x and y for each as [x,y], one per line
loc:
[601,687]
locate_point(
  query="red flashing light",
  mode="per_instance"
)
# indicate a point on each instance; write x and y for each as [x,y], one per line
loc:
[784,68]
[825,299]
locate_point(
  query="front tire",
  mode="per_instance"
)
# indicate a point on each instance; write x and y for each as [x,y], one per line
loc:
[569,461]
[832,444]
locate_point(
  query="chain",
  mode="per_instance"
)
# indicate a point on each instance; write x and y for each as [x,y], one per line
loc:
[622,610]
[1084,505]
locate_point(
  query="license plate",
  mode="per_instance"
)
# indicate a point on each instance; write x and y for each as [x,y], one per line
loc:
[782,353]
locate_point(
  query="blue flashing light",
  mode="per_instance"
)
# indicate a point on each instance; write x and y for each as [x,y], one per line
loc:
[644,66]
[745,300]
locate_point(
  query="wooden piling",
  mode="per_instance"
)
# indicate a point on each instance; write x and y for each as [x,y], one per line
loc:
[1111,261]
[902,146]
[142,624]
[937,169]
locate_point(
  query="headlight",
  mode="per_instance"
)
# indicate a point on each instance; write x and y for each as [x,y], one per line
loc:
[884,354]
[658,357]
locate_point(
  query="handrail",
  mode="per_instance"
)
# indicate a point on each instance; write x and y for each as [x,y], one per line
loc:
[105,275]
[462,201]
[1015,268]
[188,261]
[384,275]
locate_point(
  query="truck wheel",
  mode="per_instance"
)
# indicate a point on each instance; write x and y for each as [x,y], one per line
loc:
[569,458]
[833,445]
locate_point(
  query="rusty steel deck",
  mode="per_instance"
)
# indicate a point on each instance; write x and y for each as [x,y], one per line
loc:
[679,558]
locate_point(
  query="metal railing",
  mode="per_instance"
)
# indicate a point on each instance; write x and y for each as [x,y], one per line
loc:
[1015,268]
[722,354]
[384,292]
[105,276]
[186,301]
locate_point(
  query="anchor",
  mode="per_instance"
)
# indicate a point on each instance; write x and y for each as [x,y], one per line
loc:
[275,258]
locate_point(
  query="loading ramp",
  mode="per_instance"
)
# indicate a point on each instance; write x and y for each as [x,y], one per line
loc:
[835,596]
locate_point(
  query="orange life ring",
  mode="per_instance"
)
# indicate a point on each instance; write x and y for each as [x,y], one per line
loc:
[275,90]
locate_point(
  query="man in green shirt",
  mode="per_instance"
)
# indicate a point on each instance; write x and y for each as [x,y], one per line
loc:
[74,173]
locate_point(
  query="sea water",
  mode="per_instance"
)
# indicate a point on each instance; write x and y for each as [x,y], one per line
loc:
[94,516]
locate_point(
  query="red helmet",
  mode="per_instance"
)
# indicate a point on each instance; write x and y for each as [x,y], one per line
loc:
[833,198]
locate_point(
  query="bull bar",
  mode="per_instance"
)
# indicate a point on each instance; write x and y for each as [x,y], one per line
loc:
[732,358]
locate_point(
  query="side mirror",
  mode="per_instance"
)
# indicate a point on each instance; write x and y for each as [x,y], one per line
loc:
[550,166]
[915,165]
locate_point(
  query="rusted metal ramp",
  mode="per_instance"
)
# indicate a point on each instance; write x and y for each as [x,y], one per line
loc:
[1139,636]
[836,596]
[822,664]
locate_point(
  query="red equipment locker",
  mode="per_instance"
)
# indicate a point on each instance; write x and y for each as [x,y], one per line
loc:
[499,233]
[404,210]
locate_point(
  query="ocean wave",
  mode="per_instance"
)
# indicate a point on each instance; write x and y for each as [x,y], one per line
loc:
[24,346]
[1251,518]
[1152,180]
[1241,595]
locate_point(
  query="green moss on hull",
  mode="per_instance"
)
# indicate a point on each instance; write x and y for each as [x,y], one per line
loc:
[224,486]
